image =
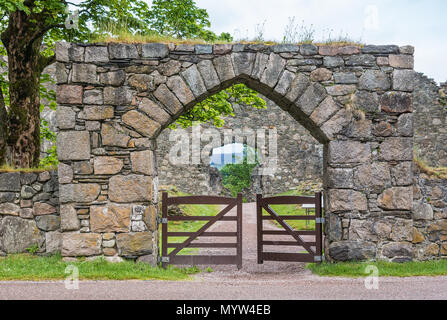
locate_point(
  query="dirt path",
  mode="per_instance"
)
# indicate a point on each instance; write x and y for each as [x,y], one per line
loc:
[250,268]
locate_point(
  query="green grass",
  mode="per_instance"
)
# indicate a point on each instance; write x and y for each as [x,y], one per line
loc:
[189,226]
[390,269]
[290,210]
[29,267]
[7,168]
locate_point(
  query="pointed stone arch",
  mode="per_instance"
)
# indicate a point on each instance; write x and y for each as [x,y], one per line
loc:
[114,99]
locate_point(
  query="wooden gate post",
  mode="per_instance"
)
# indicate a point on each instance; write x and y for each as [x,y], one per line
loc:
[318,229]
[164,229]
[259,226]
[239,231]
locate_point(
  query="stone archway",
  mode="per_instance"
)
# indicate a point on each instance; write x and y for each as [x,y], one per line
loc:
[114,99]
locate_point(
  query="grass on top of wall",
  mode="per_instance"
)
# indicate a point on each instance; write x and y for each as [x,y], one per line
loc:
[388,269]
[439,173]
[34,268]
[6,168]
[129,38]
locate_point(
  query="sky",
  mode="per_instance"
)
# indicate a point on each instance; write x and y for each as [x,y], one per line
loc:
[420,23]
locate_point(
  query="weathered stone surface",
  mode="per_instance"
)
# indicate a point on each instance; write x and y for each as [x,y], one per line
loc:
[142,124]
[53,242]
[107,165]
[297,87]
[396,198]
[27,192]
[259,65]
[154,50]
[194,80]
[273,69]
[142,162]
[418,237]
[42,208]
[62,51]
[395,249]
[394,148]
[69,218]
[346,200]
[401,61]
[73,145]
[284,82]
[209,74]
[311,98]
[286,48]
[7,197]
[383,49]
[402,173]
[141,82]
[96,113]
[405,125]
[113,78]
[10,181]
[366,101]
[203,49]
[363,60]
[374,80]
[44,176]
[372,177]
[340,89]
[110,218]
[402,230]
[113,135]
[65,173]
[10,209]
[345,78]
[84,73]
[65,117]
[130,188]
[351,250]
[82,192]
[333,62]
[96,54]
[396,102]
[308,49]
[222,48]
[168,99]
[48,222]
[324,111]
[69,94]
[154,111]
[403,80]
[339,178]
[122,51]
[81,244]
[134,244]
[181,89]
[422,211]
[336,123]
[30,235]
[349,152]
[243,63]
[117,96]
[321,74]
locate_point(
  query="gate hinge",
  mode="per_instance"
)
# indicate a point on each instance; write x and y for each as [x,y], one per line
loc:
[319,258]
[319,220]
[163,259]
[162,220]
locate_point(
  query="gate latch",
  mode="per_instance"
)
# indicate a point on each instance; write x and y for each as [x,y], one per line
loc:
[319,220]
[165,259]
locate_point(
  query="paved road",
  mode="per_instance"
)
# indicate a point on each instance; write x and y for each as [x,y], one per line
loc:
[269,281]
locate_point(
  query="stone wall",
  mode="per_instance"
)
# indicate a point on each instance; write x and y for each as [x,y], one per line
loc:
[115,99]
[29,212]
[430,217]
[430,121]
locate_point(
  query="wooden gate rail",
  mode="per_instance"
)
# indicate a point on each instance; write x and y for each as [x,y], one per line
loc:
[174,258]
[313,248]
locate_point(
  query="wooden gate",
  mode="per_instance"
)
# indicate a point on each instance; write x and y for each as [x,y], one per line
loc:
[173,257]
[313,249]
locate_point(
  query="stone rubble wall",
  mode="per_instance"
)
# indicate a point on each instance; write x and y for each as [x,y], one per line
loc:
[115,99]
[29,212]
[430,217]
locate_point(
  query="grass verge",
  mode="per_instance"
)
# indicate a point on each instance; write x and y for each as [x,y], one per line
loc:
[386,269]
[440,172]
[29,267]
[6,168]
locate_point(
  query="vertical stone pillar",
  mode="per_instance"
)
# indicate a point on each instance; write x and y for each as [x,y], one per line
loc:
[107,176]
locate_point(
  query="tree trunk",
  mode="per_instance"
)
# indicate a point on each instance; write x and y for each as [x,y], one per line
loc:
[25,67]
